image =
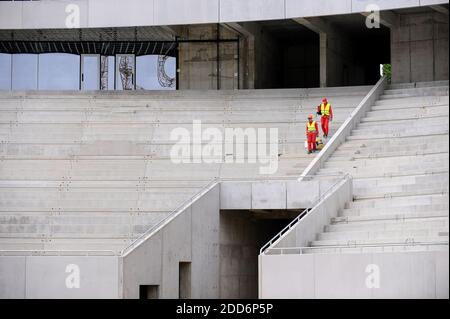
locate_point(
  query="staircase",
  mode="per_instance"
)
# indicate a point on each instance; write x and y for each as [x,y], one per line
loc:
[398,157]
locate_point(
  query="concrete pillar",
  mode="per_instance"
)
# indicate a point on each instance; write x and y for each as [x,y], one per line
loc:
[337,54]
[323,59]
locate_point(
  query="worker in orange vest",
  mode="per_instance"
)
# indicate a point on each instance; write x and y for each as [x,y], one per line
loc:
[326,112]
[311,134]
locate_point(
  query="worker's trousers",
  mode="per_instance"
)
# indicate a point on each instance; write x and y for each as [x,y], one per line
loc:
[311,141]
[324,121]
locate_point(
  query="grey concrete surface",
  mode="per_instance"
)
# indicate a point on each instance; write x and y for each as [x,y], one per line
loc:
[43,277]
[397,217]
[192,236]
[419,46]
[101,13]
[408,275]
[93,170]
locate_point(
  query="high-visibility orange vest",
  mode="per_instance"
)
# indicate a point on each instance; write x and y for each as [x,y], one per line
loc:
[325,109]
[311,126]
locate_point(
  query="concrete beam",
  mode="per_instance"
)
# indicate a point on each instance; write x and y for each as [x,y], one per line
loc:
[440,9]
[318,25]
[173,30]
[387,18]
[238,28]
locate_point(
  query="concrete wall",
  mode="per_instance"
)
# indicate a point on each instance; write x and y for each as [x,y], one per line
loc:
[342,65]
[110,13]
[419,48]
[263,57]
[401,275]
[198,61]
[35,277]
[314,222]
[192,236]
[289,194]
[301,65]
[217,244]
[241,237]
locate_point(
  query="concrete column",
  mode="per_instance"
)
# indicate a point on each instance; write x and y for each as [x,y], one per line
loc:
[337,57]
[264,58]
[323,59]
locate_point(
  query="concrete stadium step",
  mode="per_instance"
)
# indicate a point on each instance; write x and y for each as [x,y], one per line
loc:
[382,191]
[401,213]
[91,218]
[421,150]
[404,210]
[126,230]
[65,244]
[401,135]
[135,185]
[415,100]
[409,92]
[401,180]
[437,146]
[385,234]
[183,105]
[380,241]
[425,84]
[155,116]
[410,141]
[401,123]
[407,143]
[394,163]
[410,247]
[400,201]
[371,173]
[397,224]
[76,233]
[385,116]
[413,130]
[135,169]
[10,151]
[404,108]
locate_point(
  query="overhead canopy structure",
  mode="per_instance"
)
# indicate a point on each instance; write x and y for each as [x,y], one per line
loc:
[90,47]
[105,41]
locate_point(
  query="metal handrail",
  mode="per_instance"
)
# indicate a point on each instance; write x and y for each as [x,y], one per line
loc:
[302,214]
[189,201]
[147,234]
[362,245]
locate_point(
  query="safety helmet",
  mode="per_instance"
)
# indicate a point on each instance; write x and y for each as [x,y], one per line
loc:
[324,100]
[310,117]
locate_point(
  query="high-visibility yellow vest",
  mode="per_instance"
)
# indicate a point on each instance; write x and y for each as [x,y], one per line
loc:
[325,109]
[311,126]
